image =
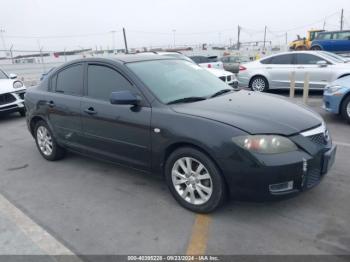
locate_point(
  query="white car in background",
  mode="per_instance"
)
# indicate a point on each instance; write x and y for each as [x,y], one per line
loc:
[274,72]
[226,76]
[208,62]
[11,94]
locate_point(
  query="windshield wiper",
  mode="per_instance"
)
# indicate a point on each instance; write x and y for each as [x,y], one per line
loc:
[221,92]
[187,100]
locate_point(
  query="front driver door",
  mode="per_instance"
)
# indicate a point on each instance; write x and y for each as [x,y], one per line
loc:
[319,76]
[120,133]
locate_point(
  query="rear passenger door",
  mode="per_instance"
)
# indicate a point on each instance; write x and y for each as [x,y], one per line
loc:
[63,103]
[341,41]
[279,69]
[120,133]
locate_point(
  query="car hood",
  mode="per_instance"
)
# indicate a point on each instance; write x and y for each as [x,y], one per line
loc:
[6,86]
[218,72]
[254,113]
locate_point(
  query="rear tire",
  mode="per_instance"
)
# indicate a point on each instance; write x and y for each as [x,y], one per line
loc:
[194,180]
[345,109]
[259,84]
[46,142]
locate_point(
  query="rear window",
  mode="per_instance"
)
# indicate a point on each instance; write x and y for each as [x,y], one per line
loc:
[70,80]
[342,35]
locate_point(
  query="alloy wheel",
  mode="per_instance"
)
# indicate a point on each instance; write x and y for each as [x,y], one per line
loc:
[44,140]
[348,109]
[192,181]
[258,85]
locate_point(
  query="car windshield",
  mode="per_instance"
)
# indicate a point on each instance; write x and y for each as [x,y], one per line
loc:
[172,80]
[3,75]
[334,57]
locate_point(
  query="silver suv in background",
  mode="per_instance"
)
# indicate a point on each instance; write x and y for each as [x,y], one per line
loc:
[274,72]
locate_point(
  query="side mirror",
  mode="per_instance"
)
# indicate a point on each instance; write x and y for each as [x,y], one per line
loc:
[12,76]
[322,63]
[125,97]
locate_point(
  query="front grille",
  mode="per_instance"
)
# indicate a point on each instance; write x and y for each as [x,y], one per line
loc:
[21,95]
[313,178]
[6,99]
[223,78]
[318,139]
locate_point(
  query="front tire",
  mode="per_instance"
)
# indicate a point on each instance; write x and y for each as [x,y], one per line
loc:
[345,109]
[194,180]
[259,84]
[316,48]
[46,143]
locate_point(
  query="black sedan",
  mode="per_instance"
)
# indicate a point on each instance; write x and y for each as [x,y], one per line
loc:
[170,117]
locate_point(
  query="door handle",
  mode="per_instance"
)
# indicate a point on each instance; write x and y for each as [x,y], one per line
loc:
[51,104]
[90,111]
[268,67]
[301,67]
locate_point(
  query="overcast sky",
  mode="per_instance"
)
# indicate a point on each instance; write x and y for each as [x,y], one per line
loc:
[75,24]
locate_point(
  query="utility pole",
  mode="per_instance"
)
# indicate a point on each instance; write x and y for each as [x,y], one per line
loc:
[286,38]
[174,34]
[2,31]
[342,20]
[125,42]
[265,37]
[324,25]
[238,37]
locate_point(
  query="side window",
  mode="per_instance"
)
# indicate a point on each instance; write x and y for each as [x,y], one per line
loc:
[342,35]
[307,59]
[282,60]
[103,80]
[266,61]
[324,36]
[70,80]
[196,59]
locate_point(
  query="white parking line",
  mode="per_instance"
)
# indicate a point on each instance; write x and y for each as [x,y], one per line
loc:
[37,234]
[342,144]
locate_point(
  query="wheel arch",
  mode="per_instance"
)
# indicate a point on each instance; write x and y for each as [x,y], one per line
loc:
[33,121]
[174,146]
[343,100]
[344,75]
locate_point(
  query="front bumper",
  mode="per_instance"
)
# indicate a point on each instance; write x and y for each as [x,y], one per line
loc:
[14,104]
[331,102]
[279,175]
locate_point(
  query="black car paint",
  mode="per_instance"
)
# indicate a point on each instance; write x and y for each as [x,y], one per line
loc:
[125,134]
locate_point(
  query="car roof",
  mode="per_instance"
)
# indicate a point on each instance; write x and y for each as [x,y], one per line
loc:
[336,31]
[294,52]
[122,59]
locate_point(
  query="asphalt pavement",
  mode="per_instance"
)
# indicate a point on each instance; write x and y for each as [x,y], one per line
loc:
[84,206]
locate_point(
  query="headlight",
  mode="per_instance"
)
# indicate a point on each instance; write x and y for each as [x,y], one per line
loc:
[333,89]
[17,84]
[265,144]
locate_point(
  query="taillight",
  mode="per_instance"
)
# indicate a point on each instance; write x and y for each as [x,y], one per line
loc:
[242,68]
[209,65]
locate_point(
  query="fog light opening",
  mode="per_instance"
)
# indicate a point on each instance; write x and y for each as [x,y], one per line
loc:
[282,187]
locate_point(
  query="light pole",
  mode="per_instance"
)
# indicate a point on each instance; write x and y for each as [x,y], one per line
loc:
[2,31]
[113,39]
[174,33]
